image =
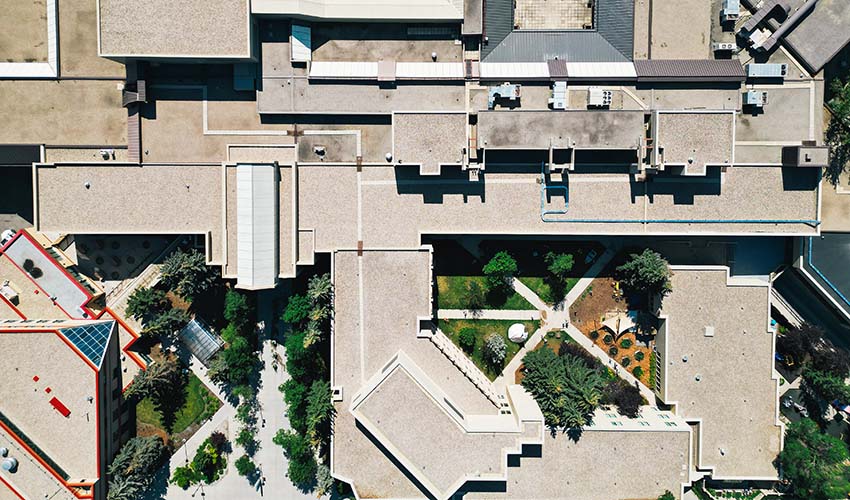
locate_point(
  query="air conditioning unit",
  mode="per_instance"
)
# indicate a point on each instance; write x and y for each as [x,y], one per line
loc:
[731,10]
[598,97]
[755,98]
[767,70]
[723,46]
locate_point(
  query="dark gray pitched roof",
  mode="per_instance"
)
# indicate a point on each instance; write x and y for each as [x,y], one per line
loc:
[611,41]
[690,70]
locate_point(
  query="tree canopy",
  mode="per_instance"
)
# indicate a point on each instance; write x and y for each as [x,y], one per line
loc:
[814,462]
[565,387]
[236,309]
[302,462]
[145,303]
[133,468]
[646,272]
[499,271]
[559,265]
[187,274]
[838,132]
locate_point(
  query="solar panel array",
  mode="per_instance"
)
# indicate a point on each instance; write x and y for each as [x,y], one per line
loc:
[91,339]
[200,340]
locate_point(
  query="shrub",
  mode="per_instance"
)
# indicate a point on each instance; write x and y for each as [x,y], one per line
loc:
[625,396]
[608,339]
[667,496]
[245,466]
[612,351]
[637,372]
[495,350]
[639,355]
[594,335]
[500,271]
[218,440]
[166,323]
[324,480]
[625,361]
[575,350]
[625,343]
[476,297]
[320,412]
[466,338]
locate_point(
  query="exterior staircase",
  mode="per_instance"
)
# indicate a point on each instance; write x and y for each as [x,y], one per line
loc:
[468,368]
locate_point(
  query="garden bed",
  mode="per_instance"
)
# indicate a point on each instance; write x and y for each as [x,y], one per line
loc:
[200,405]
[483,328]
[452,293]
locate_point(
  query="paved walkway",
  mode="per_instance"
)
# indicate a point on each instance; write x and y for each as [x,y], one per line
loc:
[556,318]
[504,314]
[269,458]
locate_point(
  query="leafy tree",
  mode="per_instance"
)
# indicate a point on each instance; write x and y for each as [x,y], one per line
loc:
[240,362]
[246,439]
[798,342]
[229,333]
[313,333]
[320,412]
[245,466]
[838,131]
[646,272]
[559,265]
[302,363]
[133,467]
[827,385]
[187,274]
[146,303]
[625,396]
[495,350]
[236,309]
[297,310]
[302,462]
[667,496]
[295,395]
[500,271]
[831,360]
[466,338]
[476,297]
[815,463]
[166,323]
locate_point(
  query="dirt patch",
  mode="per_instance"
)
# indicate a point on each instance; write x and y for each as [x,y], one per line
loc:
[554,342]
[587,314]
[147,430]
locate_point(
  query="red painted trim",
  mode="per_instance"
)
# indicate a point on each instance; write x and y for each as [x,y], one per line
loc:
[97,417]
[69,344]
[18,312]
[55,263]
[13,489]
[126,348]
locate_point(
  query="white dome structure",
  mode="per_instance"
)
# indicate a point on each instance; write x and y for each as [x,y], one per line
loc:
[517,333]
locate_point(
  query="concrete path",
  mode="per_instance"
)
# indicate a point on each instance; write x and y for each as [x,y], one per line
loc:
[504,314]
[557,318]
[269,458]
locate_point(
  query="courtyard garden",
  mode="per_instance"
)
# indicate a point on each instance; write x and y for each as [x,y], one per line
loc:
[614,313]
[549,269]
[175,423]
[472,336]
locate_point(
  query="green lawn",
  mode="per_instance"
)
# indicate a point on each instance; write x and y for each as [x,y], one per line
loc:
[200,404]
[483,328]
[452,294]
[539,286]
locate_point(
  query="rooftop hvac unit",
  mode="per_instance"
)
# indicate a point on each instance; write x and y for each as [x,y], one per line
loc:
[731,10]
[723,46]
[559,95]
[598,97]
[755,98]
[767,70]
[9,464]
